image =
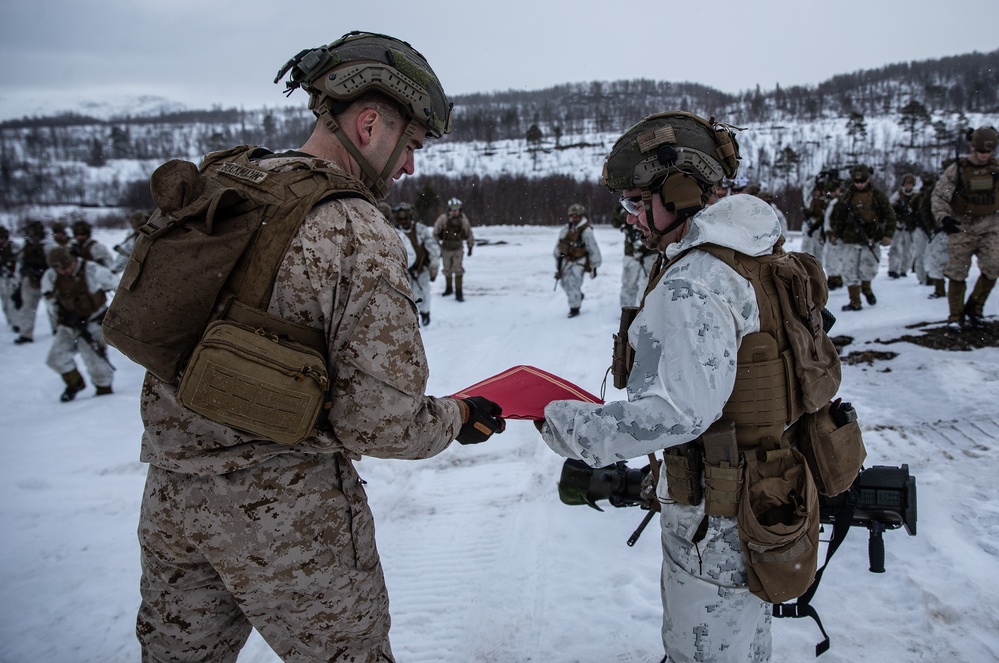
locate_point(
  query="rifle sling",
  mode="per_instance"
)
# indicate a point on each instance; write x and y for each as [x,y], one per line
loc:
[802,606]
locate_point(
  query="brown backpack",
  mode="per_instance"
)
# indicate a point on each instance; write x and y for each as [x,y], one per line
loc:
[207,246]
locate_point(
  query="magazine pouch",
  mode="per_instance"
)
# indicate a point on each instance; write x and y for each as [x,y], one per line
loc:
[779,524]
[255,381]
[832,444]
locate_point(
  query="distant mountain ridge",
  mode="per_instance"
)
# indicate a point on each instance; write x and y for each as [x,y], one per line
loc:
[537,147]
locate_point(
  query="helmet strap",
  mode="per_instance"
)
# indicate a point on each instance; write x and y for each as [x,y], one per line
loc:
[379,186]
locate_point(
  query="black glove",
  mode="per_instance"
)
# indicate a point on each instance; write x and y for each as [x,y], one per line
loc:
[481,419]
[950,225]
[469,250]
[15,297]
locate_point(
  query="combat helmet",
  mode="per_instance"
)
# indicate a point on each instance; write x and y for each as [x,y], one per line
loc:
[577,209]
[454,204]
[82,229]
[908,178]
[362,62]
[984,139]
[403,215]
[680,155]
[35,231]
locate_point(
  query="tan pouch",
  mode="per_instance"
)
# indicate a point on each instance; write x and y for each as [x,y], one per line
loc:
[835,453]
[256,382]
[684,466]
[779,525]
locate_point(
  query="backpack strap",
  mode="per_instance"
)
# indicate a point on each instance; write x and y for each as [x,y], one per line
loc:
[289,197]
[802,607]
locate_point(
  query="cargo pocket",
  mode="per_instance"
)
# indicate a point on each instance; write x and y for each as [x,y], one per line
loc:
[779,525]
[832,444]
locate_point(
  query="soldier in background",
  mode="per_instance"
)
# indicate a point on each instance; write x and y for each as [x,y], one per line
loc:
[966,203]
[935,254]
[30,267]
[59,235]
[8,277]
[77,289]
[835,249]
[638,259]
[450,230]
[123,249]
[768,197]
[903,201]
[813,235]
[576,254]
[864,221]
[925,227]
[426,255]
[89,248]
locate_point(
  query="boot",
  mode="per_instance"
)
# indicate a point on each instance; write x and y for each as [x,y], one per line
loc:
[425,318]
[104,391]
[573,312]
[834,282]
[854,304]
[21,340]
[457,289]
[74,385]
[955,302]
[865,287]
[974,308]
[939,288]
[447,289]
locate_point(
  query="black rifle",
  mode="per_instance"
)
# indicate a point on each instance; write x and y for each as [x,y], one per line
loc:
[80,325]
[859,226]
[558,270]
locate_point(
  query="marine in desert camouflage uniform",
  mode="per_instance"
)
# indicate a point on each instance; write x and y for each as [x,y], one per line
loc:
[966,203]
[238,532]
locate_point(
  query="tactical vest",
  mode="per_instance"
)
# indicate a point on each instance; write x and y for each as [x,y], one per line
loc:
[975,194]
[422,256]
[74,296]
[861,203]
[906,210]
[453,233]
[83,250]
[33,262]
[816,212]
[572,245]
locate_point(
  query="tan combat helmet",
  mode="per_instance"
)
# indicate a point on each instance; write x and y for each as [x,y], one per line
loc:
[577,209]
[679,155]
[363,62]
[984,139]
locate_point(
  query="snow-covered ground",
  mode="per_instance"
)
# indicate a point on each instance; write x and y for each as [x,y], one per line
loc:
[483,562]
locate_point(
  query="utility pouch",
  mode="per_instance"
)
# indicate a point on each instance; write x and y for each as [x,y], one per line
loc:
[722,469]
[832,444]
[257,382]
[624,354]
[684,465]
[779,524]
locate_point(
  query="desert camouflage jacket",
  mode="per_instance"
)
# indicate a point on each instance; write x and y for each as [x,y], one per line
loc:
[345,273]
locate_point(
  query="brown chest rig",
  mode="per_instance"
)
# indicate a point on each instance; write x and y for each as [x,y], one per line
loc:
[453,233]
[74,295]
[84,250]
[862,204]
[977,186]
[572,245]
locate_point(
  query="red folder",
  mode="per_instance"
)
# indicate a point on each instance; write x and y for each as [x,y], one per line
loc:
[524,391]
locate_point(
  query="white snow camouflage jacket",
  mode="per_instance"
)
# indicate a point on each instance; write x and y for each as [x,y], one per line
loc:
[686,339]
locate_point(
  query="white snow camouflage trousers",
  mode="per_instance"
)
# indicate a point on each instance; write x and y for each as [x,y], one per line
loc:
[68,341]
[709,614]
[634,277]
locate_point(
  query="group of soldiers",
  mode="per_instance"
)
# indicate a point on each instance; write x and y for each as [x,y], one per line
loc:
[72,275]
[429,250]
[933,231]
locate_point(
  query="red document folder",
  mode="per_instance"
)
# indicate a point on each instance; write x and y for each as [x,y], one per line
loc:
[524,391]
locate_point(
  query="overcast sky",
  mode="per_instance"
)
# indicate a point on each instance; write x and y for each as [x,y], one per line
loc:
[56,53]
